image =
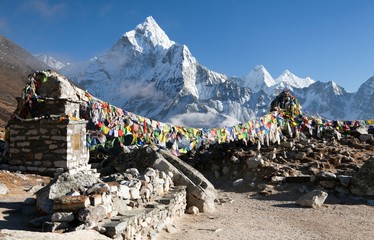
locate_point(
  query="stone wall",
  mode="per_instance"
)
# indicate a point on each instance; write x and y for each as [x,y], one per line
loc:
[128,205]
[55,107]
[147,222]
[48,146]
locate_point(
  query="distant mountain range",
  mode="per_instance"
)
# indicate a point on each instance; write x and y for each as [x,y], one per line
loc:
[147,73]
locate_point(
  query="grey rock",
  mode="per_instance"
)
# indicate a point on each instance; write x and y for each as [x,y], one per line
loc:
[363,182]
[120,205]
[193,210]
[344,180]
[98,188]
[254,162]
[325,176]
[238,182]
[59,227]
[365,137]
[313,199]
[62,217]
[92,215]
[114,229]
[3,189]
[60,186]
[171,229]
[133,171]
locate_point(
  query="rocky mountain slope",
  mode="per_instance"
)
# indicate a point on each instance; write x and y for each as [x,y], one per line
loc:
[15,64]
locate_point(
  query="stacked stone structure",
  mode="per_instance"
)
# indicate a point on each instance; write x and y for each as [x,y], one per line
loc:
[46,134]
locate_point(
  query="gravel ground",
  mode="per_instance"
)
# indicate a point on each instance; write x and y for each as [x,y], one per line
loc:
[247,215]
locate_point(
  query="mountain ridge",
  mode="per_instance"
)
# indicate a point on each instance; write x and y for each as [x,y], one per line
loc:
[147,73]
[169,82]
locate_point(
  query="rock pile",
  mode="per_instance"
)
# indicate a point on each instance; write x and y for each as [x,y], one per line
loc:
[127,204]
[332,162]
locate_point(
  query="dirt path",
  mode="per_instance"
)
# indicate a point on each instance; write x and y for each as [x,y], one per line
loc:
[251,216]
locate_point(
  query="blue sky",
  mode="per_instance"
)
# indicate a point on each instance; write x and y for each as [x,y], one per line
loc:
[327,40]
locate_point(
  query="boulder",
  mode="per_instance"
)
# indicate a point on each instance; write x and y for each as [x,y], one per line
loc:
[313,199]
[61,186]
[363,182]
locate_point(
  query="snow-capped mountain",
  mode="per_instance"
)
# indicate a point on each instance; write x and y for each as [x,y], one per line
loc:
[292,81]
[51,61]
[326,99]
[363,100]
[147,73]
[257,79]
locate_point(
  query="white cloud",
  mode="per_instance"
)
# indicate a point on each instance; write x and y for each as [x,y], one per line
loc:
[45,9]
[203,120]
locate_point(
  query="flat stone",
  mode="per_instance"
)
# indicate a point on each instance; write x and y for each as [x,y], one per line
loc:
[115,228]
[62,217]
